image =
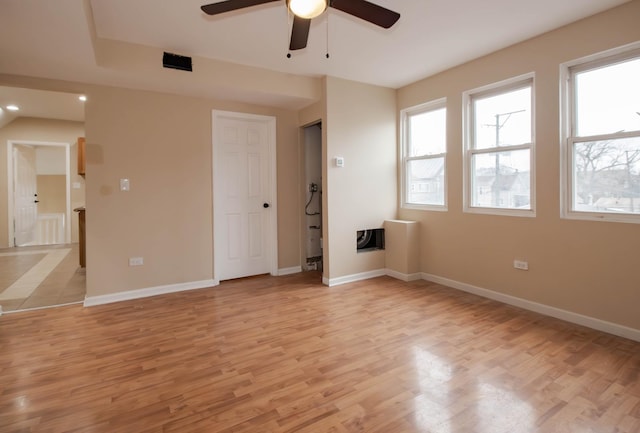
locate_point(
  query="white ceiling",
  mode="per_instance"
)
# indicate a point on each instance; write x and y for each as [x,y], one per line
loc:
[431,36]
[39,103]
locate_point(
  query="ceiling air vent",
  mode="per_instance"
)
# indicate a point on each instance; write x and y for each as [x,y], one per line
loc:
[175,61]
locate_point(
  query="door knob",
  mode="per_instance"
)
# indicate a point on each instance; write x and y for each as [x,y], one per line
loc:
[265,205]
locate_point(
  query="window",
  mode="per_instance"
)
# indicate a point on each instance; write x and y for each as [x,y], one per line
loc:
[499,148]
[601,142]
[424,149]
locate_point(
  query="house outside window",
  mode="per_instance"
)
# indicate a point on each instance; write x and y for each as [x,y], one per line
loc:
[601,136]
[424,150]
[499,148]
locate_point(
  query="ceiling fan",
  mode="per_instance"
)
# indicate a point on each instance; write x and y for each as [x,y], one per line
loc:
[304,10]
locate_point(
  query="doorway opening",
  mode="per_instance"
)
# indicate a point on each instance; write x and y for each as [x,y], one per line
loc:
[41,264]
[41,261]
[313,197]
[39,193]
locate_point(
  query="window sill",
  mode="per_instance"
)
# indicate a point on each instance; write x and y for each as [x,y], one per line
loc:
[426,207]
[526,213]
[602,217]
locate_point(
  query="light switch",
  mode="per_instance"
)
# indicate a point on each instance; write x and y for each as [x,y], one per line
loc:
[124,185]
[339,161]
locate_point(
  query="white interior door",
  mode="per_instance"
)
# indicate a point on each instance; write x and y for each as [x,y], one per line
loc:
[25,195]
[245,238]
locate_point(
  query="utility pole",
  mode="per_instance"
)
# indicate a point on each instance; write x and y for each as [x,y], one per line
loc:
[630,183]
[497,181]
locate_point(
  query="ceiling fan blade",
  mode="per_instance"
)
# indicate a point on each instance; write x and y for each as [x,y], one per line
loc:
[367,11]
[231,5]
[299,33]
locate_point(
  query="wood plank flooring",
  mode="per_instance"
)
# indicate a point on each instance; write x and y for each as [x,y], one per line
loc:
[286,354]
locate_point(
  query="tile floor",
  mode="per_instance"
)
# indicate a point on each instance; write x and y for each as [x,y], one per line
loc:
[40,276]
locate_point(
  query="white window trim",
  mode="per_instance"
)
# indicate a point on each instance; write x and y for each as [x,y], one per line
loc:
[491,89]
[404,114]
[567,126]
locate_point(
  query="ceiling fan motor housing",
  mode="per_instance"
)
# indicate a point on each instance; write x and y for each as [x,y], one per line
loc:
[307,9]
[304,10]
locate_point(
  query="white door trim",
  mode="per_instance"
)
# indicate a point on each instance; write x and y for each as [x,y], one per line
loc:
[273,213]
[10,180]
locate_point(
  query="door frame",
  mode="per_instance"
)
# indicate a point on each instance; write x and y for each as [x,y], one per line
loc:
[304,189]
[10,185]
[272,226]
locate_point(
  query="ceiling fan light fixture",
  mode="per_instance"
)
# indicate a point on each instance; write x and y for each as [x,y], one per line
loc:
[307,8]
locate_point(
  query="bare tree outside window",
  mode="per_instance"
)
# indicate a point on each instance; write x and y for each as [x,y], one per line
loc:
[605,146]
[607,175]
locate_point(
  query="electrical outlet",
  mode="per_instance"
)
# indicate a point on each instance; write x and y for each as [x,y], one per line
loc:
[521,264]
[313,187]
[136,261]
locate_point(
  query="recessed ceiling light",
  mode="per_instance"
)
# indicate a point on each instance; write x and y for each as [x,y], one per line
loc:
[13,107]
[83,98]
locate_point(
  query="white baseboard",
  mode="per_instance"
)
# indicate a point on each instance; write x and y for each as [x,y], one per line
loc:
[353,278]
[404,277]
[289,271]
[590,322]
[91,301]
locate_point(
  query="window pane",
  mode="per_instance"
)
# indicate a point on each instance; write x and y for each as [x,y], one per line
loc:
[607,176]
[427,133]
[502,180]
[426,181]
[608,99]
[502,120]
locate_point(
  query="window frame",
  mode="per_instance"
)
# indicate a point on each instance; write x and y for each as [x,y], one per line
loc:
[569,124]
[469,151]
[405,115]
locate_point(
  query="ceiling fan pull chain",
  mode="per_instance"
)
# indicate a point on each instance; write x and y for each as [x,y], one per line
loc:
[289,29]
[328,34]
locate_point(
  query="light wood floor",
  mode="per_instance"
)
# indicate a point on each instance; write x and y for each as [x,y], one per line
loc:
[286,354]
[64,284]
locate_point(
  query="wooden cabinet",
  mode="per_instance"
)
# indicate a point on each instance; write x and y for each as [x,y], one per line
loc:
[81,155]
[82,236]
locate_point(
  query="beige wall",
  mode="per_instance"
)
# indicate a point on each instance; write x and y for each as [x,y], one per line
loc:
[585,267]
[402,246]
[312,114]
[162,143]
[360,127]
[228,81]
[34,129]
